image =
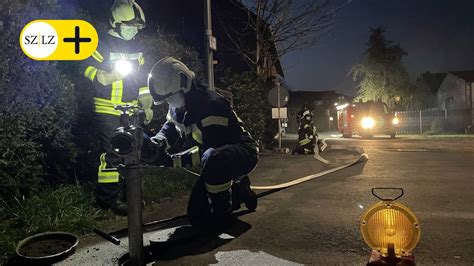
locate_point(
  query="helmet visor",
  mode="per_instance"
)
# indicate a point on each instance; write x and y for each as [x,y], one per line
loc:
[158,98]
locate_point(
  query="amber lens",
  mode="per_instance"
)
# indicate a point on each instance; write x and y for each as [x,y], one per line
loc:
[390,223]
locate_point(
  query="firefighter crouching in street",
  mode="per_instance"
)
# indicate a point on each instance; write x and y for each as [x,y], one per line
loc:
[213,136]
[307,136]
[117,77]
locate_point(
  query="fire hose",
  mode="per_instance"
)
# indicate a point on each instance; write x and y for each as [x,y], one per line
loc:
[182,219]
[348,162]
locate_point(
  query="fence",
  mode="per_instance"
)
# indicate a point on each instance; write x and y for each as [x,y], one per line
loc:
[421,121]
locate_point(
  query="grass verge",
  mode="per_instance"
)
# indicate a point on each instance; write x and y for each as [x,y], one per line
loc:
[70,208]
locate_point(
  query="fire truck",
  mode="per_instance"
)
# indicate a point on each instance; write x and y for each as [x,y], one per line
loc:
[366,119]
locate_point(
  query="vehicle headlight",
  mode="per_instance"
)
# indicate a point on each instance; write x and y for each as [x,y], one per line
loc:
[124,67]
[396,121]
[368,122]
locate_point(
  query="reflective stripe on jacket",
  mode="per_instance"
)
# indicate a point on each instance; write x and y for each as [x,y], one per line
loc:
[207,122]
[130,90]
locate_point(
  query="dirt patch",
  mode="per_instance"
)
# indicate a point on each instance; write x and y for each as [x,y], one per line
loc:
[43,248]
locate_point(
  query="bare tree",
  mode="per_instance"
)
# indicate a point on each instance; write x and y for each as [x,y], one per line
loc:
[279,27]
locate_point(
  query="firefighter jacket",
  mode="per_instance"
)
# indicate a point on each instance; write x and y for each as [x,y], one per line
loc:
[207,121]
[130,90]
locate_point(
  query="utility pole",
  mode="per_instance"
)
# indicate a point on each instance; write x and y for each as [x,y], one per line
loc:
[210,44]
[279,115]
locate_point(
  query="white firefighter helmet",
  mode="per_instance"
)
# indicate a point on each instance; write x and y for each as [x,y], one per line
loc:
[168,77]
[126,12]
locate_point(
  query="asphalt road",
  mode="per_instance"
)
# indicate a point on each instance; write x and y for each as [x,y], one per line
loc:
[317,222]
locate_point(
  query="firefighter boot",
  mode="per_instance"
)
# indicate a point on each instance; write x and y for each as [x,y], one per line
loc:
[242,193]
[119,208]
[221,208]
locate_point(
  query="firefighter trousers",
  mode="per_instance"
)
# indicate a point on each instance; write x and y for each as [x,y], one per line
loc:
[109,183]
[220,166]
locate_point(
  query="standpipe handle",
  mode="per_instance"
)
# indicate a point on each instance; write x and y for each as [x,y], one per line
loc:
[374,189]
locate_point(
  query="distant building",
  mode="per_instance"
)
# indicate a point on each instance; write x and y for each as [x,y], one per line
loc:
[455,93]
[322,103]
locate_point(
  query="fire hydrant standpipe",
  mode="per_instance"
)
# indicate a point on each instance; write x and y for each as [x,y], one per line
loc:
[133,179]
[131,133]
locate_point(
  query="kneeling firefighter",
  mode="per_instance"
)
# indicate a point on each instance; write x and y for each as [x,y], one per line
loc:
[210,135]
[307,136]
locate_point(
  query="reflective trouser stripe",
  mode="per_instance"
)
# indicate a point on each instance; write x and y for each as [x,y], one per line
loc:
[108,176]
[98,57]
[117,92]
[218,188]
[90,72]
[304,141]
[215,120]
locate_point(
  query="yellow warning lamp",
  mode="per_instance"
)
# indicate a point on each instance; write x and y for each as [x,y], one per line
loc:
[390,228]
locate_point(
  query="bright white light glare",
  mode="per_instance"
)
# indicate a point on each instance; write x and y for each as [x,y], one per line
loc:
[123,67]
[150,76]
[395,121]
[340,107]
[360,206]
[368,122]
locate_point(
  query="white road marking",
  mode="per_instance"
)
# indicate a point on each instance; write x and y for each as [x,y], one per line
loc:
[245,257]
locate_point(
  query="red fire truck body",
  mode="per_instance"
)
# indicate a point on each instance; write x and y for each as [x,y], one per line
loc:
[366,119]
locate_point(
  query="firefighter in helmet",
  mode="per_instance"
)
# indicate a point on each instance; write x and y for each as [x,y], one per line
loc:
[307,136]
[212,135]
[116,71]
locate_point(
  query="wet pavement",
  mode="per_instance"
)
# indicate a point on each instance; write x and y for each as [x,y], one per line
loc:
[317,222]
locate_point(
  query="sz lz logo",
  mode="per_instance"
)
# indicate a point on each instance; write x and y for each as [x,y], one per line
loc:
[58,39]
[40,39]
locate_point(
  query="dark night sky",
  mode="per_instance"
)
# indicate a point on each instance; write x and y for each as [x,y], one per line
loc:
[437,34]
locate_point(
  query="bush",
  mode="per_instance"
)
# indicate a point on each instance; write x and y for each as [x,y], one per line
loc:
[437,126]
[249,99]
[37,109]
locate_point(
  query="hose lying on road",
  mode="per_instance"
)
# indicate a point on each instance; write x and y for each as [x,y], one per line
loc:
[358,159]
[362,158]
